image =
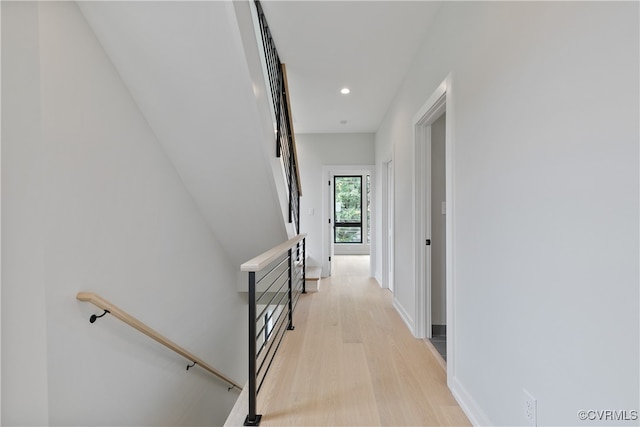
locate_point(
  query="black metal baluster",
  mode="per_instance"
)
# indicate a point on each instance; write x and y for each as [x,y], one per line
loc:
[304,266]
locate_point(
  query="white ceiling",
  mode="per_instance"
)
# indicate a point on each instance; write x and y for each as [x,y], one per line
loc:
[366,46]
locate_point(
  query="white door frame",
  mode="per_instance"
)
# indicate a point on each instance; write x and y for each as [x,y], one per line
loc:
[388,246]
[439,102]
[328,173]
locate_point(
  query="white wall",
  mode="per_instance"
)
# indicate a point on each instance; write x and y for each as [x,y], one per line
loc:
[24,327]
[92,203]
[545,205]
[314,152]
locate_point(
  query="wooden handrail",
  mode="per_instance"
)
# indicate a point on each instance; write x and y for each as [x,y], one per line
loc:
[102,303]
[293,134]
[266,258]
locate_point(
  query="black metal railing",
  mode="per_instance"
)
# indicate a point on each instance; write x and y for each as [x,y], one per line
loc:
[276,281]
[285,138]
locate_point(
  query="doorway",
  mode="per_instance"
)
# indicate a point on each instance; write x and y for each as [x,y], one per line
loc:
[351,213]
[436,181]
[348,212]
[350,224]
[428,206]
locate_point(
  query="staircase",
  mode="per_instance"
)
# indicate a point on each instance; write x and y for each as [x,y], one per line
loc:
[313,277]
[193,74]
[139,161]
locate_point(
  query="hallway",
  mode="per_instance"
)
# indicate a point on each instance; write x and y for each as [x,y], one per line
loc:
[352,361]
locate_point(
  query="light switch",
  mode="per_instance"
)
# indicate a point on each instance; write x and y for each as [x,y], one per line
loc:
[444,208]
[310,211]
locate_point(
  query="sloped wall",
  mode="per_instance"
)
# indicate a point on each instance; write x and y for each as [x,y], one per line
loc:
[91,202]
[185,66]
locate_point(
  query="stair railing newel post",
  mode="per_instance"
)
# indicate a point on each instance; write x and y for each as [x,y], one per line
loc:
[304,266]
[252,419]
[291,266]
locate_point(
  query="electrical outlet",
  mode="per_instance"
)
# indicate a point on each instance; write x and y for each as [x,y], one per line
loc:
[530,409]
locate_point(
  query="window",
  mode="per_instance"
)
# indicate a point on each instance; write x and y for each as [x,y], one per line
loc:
[368,209]
[348,209]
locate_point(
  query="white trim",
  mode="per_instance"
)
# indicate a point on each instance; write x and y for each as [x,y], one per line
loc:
[434,106]
[450,230]
[468,405]
[388,247]
[384,215]
[422,121]
[440,101]
[372,223]
[327,241]
[1,221]
[404,315]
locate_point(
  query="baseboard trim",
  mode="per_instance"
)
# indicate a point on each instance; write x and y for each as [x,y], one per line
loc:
[378,279]
[469,406]
[436,354]
[404,315]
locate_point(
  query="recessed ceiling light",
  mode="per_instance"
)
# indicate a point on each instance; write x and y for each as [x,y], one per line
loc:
[345,90]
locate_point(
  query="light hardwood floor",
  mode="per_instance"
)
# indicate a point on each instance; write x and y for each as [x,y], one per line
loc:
[352,361]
